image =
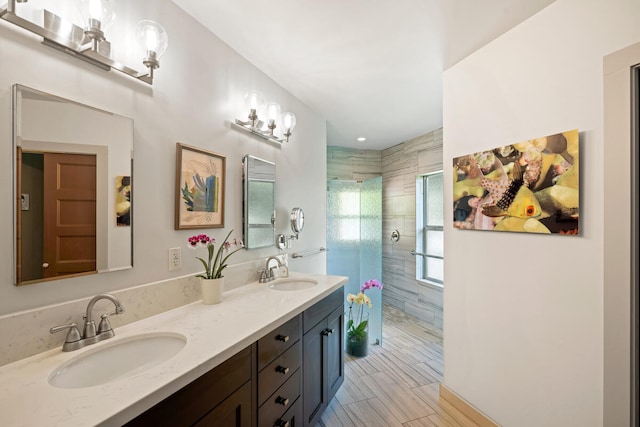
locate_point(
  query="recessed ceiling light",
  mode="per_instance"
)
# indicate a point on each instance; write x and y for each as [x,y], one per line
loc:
[361,139]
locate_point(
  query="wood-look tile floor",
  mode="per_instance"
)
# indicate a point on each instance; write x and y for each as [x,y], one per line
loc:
[396,384]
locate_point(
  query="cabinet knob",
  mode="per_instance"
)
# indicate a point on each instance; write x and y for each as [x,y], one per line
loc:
[282,423]
[282,369]
[327,332]
[283,338]
[282,401]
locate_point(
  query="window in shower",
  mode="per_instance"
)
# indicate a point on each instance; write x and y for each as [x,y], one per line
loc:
[429,227]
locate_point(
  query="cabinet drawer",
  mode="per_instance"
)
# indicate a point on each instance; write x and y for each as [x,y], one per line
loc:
[276,342]
[278,371]
[322,309]
[279,402]
[293,417]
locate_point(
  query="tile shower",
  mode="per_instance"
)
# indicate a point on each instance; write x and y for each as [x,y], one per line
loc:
[399,166]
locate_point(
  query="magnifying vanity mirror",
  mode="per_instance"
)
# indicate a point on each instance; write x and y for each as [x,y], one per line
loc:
[259,215]
[72,185]
[297,224]
[297,220]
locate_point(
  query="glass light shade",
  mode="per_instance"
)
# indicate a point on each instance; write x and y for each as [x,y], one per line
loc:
[99,10]
[272,111]
[253,99]
[152,37]
[288,120]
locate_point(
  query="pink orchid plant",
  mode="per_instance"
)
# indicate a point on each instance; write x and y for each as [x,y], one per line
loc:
[214,266]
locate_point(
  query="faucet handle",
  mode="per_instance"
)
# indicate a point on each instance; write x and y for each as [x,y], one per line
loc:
[72,336]
[104,327]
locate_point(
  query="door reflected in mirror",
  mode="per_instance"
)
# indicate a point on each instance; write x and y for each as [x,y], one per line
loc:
[72,184]
[259,181]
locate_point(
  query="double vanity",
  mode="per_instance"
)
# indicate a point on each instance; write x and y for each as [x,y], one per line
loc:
[271,354]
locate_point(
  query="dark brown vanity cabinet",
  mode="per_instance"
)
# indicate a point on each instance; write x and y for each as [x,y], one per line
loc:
[222,397]
[279,376]
[285,379]
[323,355]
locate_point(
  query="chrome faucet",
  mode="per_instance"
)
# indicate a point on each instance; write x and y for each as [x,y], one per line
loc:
[267,275]
[75,341]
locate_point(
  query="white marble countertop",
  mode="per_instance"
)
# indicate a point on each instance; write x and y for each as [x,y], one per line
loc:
[213,332]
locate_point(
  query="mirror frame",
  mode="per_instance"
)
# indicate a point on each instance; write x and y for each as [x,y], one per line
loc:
[258,176]
[105,231]
[297,220]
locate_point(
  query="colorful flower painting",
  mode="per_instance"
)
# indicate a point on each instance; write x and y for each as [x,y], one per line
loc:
[200,176]
[531,187]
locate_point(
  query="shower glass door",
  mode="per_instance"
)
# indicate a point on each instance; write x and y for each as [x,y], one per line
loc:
[354,239]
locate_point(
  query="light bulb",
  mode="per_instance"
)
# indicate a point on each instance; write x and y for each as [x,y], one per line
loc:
[272,111]
[288,121]
[253,99]
[101,11]
[152,38]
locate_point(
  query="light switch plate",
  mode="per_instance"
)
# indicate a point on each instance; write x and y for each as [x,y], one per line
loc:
[24,202]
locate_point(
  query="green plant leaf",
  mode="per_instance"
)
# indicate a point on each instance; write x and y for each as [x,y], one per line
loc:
[362,326]
[206,267]
[218,259]
[223,264]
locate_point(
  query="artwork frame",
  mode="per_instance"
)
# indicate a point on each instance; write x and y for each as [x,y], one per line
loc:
[531,186]
[199,202]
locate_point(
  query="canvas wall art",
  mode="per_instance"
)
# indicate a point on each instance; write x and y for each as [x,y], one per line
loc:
[200,181]
[123,201]
[531,187]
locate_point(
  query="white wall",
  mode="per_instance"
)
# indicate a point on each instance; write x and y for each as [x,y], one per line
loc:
[524,317]
[198,90]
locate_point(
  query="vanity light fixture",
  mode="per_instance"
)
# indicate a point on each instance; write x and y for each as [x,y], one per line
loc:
[89,43]
[288,121]
[153,41]
[270,112]
[97,15]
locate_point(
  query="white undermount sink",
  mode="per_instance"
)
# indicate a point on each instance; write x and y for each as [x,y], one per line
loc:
[117,359]
[292,284]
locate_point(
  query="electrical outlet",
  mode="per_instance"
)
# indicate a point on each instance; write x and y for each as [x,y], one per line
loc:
[175,259]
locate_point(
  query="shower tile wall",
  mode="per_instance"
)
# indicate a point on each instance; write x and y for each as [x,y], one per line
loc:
[348,163]
[399,165]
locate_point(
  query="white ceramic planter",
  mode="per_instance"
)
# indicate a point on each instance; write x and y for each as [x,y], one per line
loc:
[212,290]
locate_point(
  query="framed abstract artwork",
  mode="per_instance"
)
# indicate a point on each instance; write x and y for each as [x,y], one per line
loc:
[200,182]
[531,186]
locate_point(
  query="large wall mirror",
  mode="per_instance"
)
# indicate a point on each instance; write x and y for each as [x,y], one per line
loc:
[259,215]
[72,186]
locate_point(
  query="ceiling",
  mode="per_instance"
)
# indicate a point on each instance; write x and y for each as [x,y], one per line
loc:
[371,68]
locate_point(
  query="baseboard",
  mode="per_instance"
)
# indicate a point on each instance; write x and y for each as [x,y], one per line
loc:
[466,408]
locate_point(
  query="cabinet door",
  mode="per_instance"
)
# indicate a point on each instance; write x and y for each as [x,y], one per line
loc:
[335,352]
[234,411]
[314,392]
[191,403]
